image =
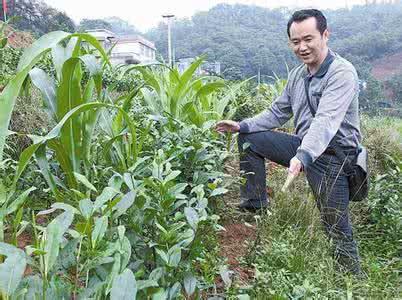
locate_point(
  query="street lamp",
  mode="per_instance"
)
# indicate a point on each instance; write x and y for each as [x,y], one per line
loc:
[169,17]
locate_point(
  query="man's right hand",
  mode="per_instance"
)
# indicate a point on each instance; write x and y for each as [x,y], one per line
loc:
[227,126]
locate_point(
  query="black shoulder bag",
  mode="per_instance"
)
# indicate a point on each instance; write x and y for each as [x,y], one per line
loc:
[358,178]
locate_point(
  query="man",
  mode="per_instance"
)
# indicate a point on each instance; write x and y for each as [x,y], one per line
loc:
[322,96]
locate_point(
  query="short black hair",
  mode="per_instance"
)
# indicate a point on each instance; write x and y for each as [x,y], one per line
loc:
[301,15]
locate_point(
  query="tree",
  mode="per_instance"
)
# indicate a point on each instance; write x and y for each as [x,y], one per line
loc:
[121,27]
[88,24]
[37,17]
[395,85]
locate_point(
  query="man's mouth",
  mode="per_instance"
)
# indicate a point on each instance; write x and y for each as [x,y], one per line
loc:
[304,55]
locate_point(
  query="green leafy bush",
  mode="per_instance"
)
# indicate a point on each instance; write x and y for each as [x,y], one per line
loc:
[136,191]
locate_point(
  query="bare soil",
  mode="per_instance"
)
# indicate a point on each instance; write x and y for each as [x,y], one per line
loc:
[234,246]
[386,67]
[237,237]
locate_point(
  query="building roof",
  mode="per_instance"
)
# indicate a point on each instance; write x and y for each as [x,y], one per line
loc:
[109,33]
[121,39]
[136,39]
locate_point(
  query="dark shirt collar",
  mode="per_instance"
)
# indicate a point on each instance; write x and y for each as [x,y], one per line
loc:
[323,67]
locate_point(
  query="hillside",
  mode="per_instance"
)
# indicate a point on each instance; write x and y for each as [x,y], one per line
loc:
[387,67]
[246,39]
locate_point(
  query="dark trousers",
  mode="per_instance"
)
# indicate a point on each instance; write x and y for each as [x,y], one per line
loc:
[325,176]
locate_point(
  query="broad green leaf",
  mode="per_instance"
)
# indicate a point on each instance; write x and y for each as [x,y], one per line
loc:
[190,284]
[125,252]
[90,120]
[115,181]
[3,194]
[25,157]
[66,207]
[3,42]
[218,191]
[144,284]
[163,255]
[12,207]
[47,87]
[44,43]
[186,238]
[124,286]
[177,189]
[121,230]
[64,160]
[160,294]
[54,235]
[156,274]
[129,181]
[115,271]
[99,230]
[108,193]
[12,269]
[84,181]
[174,291]
[60,54]
[68,97]
[171,176]
[192,217]
[86,208]
[125,203]
[45,168]
[209,88]
[174,254]
[94,69]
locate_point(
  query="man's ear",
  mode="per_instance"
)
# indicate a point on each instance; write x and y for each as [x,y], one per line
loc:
[326,35]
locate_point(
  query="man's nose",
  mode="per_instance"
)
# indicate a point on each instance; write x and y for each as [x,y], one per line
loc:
[303,46]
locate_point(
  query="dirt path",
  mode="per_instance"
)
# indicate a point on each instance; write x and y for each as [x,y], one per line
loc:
[234,242]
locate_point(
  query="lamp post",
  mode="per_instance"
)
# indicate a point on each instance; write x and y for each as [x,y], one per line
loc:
[169,17]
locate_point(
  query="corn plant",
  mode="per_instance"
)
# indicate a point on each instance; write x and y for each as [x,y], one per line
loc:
[30,57]
[9,201]
[97,252]
[268,92]
[123,146]
[169,93]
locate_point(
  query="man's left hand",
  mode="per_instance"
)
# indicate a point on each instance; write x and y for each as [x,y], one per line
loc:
[295,166]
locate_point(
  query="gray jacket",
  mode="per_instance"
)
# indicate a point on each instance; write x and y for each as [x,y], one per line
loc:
[333,91]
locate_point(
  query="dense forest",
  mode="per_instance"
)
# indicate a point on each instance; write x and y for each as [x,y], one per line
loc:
[248,40]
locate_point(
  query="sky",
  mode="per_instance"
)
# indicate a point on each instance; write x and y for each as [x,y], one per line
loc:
[145,14]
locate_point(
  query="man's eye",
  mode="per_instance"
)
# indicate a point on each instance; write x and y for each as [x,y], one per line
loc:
[295,43]
[308,40]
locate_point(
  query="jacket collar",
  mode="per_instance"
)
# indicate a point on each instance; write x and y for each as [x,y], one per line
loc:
[323,67]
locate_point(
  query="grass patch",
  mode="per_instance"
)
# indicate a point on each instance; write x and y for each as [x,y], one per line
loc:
[293,258]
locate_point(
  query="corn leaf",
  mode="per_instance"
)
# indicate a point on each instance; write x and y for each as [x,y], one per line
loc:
[54,235]
[12,269]
[47,87]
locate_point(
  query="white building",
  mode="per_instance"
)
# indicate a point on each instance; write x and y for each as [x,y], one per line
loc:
[127,50]
[207,67]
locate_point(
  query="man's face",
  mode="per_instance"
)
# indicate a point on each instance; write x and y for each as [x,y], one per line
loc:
[307,42]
